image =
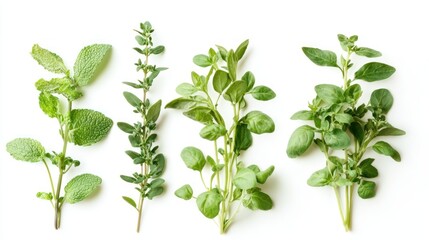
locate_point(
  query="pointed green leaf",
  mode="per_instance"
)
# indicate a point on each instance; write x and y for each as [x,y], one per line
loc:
[89,63]
[88,127]
[329,93]
[193,158]
[186,89]
[208,203]
[384,148]
[200,114]
[367,170]
[49,104]
[357,131]
[367,52]
[259,122]
[232,65]
[243,137]
[262,176]
[244,179]
[303,115]
[320,178]
[258,200]
[26,149]
[241,49]
[157,50]
[202,60]
[130,201]
[337,139]
[126,127]
[81,187]
[321,57]
[300,141]
[153,112]
[374,71]
[185,192]
[132,99]
[181,103]
[263,93]
[391,131]
[212,132]
[221,81]
[249,78]
[49,60]
[235,91]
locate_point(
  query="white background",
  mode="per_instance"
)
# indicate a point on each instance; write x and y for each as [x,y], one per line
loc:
[277,30]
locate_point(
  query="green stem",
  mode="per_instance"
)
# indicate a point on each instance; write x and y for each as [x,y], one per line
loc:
[58,204]
[50,177]
[340,207]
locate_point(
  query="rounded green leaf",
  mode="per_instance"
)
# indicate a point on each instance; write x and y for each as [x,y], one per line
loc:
[259,122]
[133,99]
[49,104]
[186,89]
[319,178]
[89,63]
[321,57]
[221,81]
[208,203]
[212,132]
[337,139]
[367,170]
[193,158]
[384,148]
[303,115]
[49,60]
[26,149]
[235,91]
[258,200]
[88,126]
[374,71]
[181,103]
[367,189]
[153,112]
[243,137]
[249,78]
[81,187]
[344,118]
[381,99]
[329,93]
[185,192]
[368,52]
[245,179]
[263,93]
[200,114]
[202,60]
[300,141]
[126,127]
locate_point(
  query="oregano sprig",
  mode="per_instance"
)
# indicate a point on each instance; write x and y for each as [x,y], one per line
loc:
[142,134]
[83,127]
[343,128]
[230,183]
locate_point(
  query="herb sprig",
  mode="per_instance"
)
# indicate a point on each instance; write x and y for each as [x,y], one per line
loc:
[342,129]
[141,134]
[83,127]
[230,183]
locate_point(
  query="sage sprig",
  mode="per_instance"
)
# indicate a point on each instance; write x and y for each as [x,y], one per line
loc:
[83,127]
[229,182]
[142,133]
[343,128]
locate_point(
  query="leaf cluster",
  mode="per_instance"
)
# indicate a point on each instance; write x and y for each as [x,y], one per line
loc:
[200,101]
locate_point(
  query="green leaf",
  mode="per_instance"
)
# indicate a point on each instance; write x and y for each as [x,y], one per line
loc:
[81,187]
[185,192]
[153,192]
[221,81]
[26,149]
[89,63]
[263,93]
[153,112]
[49,104]
[345,43]
[243,138]
[303,115]
[391,131]
[126,127]
[329,93]
[200,114]
[132,99]
[259,122]
[367,170]
[186,89]
[202,60]
[300,141]
[374,71]
[366,189]
[223,52]
[249,78]
[208,203]
[321,57]
[212,132]
[384,148]
[235,91]
[320,178]
[181,103]
[382,99]
[49,60]
[158,165]
[337,139]
[241,49]
[244,179]
[353,93]
[130,201]
[61,86]
[88,127]
[262,176]
[344,118]
[357,130]
[367,52]
[157,50]
[258,200]
[128,179]
[193,158]
[44,196]
[232,61]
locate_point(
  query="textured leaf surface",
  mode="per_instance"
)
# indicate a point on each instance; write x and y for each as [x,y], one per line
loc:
[258,200]
[88,126]
[26,149]
[49,60]
[208,203]
[300,141]
[89,62]
[80,187]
